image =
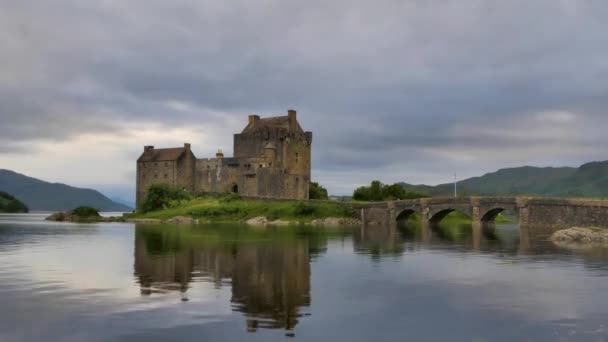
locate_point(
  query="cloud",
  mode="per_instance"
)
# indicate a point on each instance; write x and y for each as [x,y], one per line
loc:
[388,88]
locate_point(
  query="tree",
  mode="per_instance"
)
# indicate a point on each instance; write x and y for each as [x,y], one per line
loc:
[316,191]
[160,196]
[384,192]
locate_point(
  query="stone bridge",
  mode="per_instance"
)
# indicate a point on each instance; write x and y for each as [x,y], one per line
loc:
[552,213]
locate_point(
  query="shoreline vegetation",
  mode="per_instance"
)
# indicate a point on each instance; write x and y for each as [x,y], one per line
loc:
[82,214]
[10,204]
[167,204]
[231,208]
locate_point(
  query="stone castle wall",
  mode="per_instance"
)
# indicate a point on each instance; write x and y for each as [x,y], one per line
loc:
[216,175]
[272,159]
[149,173]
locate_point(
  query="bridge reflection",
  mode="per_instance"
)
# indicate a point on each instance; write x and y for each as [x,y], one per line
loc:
[392,240]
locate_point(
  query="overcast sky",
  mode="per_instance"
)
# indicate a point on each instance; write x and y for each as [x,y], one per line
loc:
[404,90]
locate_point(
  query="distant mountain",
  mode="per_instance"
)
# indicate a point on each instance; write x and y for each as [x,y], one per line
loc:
[123,201]
[589,180]
[39,195]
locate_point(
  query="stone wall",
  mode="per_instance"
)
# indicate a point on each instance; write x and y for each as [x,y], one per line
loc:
[566,213]
[149,173]
[185,171]
[216,175]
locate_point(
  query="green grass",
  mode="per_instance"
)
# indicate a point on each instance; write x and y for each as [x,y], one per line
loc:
[230,209]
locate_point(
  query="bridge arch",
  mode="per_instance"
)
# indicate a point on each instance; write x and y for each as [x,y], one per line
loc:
[440,215]
[491,214]
[405,215]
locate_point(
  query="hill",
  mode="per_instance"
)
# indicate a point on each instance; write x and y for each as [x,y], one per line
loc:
[9,204]
[589,180]
[39,195]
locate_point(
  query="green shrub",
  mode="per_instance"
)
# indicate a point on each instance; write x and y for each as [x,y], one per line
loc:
[162,196]
[304,209]
[231,197]
[316,191]
[84,211]
[384,192]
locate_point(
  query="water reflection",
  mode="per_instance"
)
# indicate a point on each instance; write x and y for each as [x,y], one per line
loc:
[482,283]
[268,269]
[407,236]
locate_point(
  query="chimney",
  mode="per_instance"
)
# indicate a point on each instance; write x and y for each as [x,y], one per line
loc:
[219,154]
[148,148]
[187,146]
[291,114]
[253,118]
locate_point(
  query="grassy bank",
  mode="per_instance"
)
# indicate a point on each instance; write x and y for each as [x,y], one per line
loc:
[230,209]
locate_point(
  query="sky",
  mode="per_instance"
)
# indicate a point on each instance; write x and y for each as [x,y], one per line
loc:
[406,90]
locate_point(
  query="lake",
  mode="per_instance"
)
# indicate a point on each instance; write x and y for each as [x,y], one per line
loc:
[126,282]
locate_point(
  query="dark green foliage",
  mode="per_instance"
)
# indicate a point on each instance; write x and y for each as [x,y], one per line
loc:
[160,196]
[231,197]
[384,192]
[304,209]
[316,191]
[84,211]
[9,204]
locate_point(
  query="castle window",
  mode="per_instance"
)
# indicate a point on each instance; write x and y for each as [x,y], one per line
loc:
[155,164]
[156,175]
[261,165]
[166,176]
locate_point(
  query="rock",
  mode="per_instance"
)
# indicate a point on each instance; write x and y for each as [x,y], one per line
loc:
[581,235]
[279,223]
[59,217]
[141,220]
[336,221]
[182,220]
[257,220]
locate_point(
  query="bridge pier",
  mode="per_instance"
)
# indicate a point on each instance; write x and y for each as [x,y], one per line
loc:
[477,234]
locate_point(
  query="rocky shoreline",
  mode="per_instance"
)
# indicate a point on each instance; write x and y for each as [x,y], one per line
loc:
[580,238]
[329,222]
[70,217]
[256,221]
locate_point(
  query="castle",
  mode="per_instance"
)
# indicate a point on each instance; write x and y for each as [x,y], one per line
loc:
[271,159]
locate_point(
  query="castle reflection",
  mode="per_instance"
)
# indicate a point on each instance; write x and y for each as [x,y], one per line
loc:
[268,271]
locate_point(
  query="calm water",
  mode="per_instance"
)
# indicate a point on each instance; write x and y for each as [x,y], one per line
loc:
[67,282]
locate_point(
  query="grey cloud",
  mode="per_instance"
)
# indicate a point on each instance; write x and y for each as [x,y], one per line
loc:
[378,82]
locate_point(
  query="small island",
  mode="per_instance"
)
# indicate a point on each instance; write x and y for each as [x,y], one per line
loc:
[82,214]
[165,203]
[9,204]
